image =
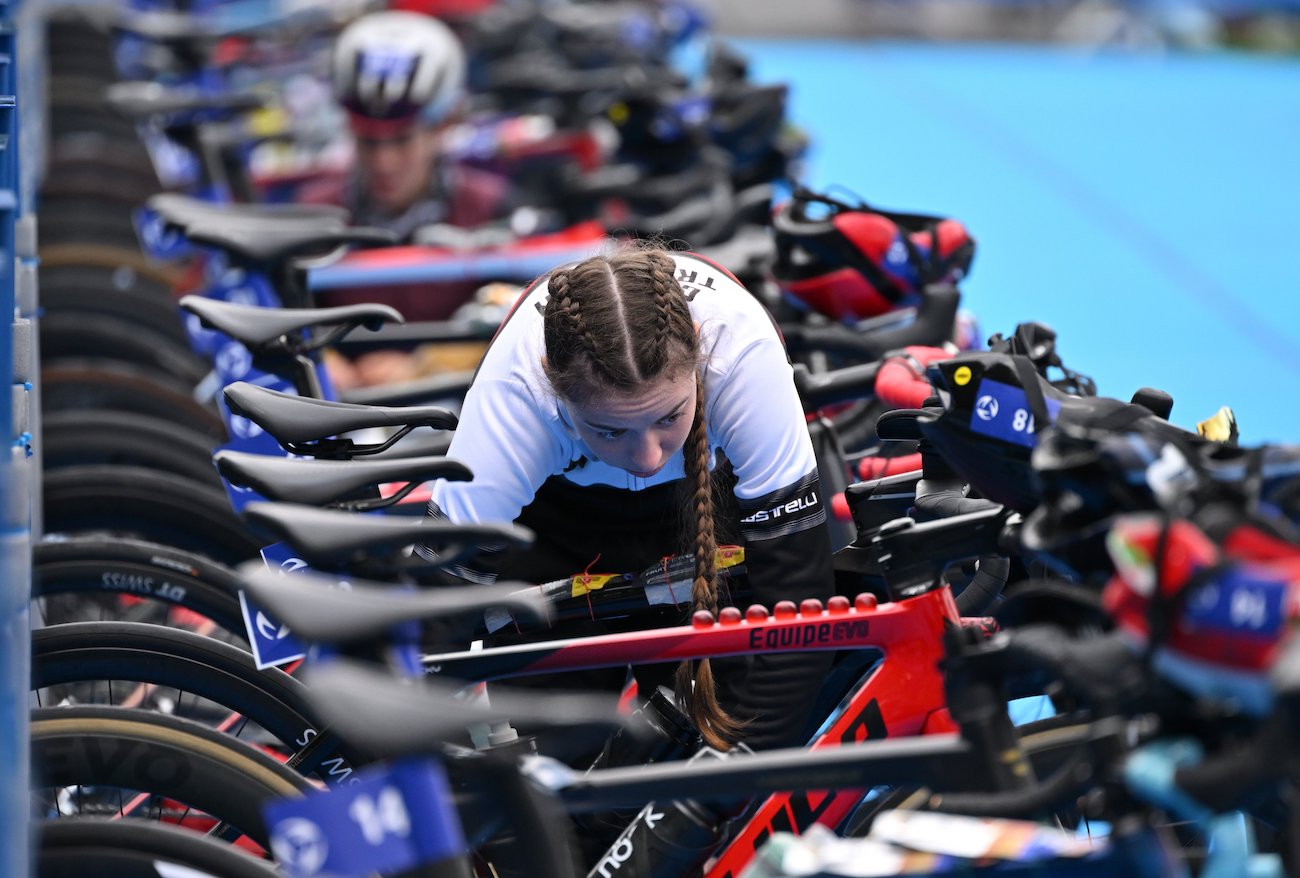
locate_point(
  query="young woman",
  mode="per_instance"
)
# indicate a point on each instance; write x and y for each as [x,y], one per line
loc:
[610,402]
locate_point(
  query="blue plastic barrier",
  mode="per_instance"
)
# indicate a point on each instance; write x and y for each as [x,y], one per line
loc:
[18,181]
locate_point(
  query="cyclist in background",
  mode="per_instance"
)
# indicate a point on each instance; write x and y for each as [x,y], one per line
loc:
[401,78]
[615,398]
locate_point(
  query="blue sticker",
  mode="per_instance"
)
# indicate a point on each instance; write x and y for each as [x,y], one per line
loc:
[273,644]
[157,237]
[1002,411]
[177,167]
[390,818]
[1239,601]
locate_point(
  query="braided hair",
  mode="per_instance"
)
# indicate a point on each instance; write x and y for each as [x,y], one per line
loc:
[613,324]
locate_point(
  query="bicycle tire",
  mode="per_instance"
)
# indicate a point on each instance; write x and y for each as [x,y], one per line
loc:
[117,157]
[112,747]
[146,504]
[103,436]
[99,277]
[62,224]
[82,383]
[108,256]
[132,849]
[157,573]
[68,120]
[71,37]
[76,334]
[98,65]
[135,305]
[88,189]
[224,675]
[67,91]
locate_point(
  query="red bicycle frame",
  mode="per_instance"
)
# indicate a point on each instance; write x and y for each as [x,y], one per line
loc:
[901,696]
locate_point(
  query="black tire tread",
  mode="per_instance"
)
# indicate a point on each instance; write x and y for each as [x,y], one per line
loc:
[128,749]
[103,566]
[127,849]
[146,504]
[198,665]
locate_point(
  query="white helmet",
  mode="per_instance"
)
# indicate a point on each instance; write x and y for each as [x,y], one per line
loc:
[392,69]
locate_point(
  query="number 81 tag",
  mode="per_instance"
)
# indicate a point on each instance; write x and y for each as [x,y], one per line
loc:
[1002,411]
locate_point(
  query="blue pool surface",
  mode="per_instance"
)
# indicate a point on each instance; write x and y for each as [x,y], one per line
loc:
[1144,206]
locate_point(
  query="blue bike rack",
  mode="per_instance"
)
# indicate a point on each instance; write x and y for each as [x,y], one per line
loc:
[21,133]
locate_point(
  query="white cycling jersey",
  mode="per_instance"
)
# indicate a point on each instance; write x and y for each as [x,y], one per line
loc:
[515,433]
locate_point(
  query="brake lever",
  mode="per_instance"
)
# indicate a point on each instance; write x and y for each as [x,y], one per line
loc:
[912,556]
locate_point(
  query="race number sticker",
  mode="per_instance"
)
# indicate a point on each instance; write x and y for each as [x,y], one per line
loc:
[395,817]
[272,643]
[1240,601]
[1002,411]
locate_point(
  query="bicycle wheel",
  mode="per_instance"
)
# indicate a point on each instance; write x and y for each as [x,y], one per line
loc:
[136,306]
[85,383]
[67,224]
[120,194]
[146,504]
[103,436]
[81,334]
[70,120]
[113,258]
[98,277]
[131,849]
[90,759]
[99,572]
[190,676]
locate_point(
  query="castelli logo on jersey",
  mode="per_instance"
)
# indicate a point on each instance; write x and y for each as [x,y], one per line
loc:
[784,510]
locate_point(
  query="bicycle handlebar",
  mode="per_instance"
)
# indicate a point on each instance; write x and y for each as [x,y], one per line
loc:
[932,326]
[902,383]
[818,390]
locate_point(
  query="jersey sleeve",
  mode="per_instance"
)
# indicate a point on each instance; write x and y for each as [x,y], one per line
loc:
[506,441]
[758,420]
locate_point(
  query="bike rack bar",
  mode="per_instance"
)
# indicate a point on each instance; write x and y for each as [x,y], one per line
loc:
[21,161]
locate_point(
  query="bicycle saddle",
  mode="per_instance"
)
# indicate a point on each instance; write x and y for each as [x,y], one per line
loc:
[192,30]
[166,26]
[140,100]
[417,715]
[182,210]
[320,482]
[328,539]
[292,419]
[269,244]
[444,385]
[256,327]
[317,610]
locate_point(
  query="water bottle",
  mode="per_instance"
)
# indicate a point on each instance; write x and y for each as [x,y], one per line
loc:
[656,732]
[669,839]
